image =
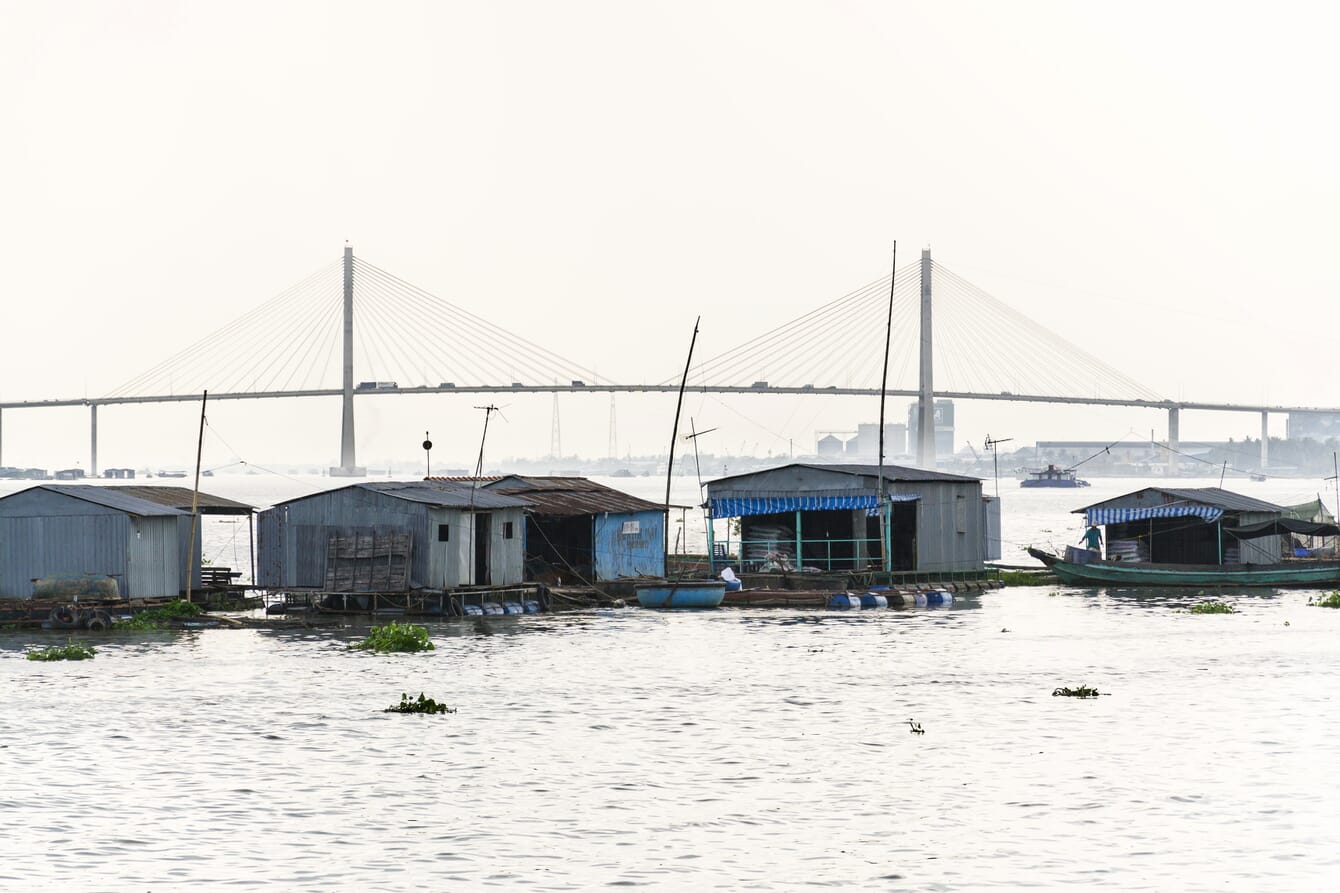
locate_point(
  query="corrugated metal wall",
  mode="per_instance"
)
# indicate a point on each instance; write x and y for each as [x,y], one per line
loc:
[991,528]
[36,547]
[621,554]
[154,569]
[292,537]
[1266,550]
[506,554]
[951,530]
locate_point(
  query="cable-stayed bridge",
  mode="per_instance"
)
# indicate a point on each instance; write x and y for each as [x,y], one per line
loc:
[352,329]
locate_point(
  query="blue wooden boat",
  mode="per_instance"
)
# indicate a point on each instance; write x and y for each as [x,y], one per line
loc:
[1131,573]
[685,594]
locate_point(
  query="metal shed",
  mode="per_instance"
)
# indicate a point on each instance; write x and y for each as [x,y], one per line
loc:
[575,526]
[139,536]
[1185,526]
[827,516]
[392,536]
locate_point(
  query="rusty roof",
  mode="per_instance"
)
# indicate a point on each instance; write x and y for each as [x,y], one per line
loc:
[555,495]
[179,498]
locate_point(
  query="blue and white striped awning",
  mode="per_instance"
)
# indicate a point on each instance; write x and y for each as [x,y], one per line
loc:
[736,506]
[1206,513]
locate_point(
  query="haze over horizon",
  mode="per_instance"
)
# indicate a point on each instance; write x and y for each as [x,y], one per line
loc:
[1155,186]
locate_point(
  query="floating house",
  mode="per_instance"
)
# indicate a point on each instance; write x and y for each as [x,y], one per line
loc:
[1198,525]
[579,530]
[389,536]
[137,536]
[827,517]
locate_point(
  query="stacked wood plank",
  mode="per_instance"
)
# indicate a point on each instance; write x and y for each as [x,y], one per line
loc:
[373,561]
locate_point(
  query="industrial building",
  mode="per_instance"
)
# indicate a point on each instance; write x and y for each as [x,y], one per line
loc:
[826,517]
[138,536]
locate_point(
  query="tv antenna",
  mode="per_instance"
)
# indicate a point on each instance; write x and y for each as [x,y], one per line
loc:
[995,457]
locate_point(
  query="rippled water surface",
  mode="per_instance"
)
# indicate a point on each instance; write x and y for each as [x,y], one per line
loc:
[719,750]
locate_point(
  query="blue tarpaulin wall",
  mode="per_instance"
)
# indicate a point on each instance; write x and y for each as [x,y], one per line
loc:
[736,506]
[1207,513]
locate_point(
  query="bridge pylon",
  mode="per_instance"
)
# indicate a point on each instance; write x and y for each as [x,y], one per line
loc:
[348,466]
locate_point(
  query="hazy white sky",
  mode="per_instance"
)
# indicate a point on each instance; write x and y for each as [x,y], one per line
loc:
[1155,181]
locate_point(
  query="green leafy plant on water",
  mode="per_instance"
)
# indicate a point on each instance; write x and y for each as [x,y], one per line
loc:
[422,705]
[1213,608]
[1329,600]
[1082,692]
[1025,578]
[63,652]
[395,637]
[162,616]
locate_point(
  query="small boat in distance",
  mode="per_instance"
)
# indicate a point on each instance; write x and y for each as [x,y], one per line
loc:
[1051,476]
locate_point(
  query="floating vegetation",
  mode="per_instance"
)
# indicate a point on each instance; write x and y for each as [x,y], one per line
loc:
[1025,577]
[395,637]
[1213,608]
[63,652]
[422,705]
[915,727]
[1329,600]
[1082,692]
[162,616]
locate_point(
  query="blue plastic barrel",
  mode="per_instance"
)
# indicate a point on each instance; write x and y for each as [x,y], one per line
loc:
[844,601]
[472,610]
[732,585]
[531,606]
[513,608]
[874,600]
[939,597]
[492,608]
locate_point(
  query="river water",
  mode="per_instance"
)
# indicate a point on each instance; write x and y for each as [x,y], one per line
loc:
[727,750]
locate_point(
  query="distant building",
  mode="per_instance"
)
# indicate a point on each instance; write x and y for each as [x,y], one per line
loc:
[944,428]
[867,440]
[1321,426]
[830,446]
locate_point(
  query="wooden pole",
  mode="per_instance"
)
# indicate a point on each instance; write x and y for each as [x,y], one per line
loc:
[885,522]
[195,497]
[674,435]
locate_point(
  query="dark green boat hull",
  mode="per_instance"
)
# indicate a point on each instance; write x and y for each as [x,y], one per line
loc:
[1315,574]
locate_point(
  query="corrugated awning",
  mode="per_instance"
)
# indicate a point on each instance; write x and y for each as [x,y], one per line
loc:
[1206,513]
[736,506]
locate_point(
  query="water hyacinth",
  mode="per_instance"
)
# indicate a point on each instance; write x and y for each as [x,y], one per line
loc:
[395,637]
[70,651]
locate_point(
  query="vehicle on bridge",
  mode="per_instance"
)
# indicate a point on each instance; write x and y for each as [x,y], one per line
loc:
[377,386]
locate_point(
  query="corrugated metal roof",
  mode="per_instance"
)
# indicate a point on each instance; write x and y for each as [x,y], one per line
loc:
[112,498]
[180,498]
[572,496]
[445,494]
[1212,496]
[893,473]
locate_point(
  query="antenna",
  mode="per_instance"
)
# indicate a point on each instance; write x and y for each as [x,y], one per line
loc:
[995,457]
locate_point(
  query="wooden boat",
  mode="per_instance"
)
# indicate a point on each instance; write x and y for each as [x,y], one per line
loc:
[1051,476]
[683,594]
[1132,573]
